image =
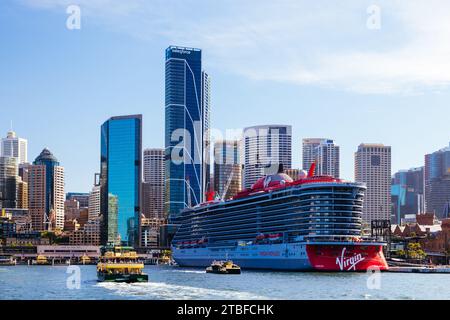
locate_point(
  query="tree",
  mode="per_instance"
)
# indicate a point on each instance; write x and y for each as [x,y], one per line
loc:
[415,251]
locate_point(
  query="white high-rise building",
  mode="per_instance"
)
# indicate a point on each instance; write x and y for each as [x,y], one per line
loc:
[373,167]
[153,186]
[14,147]
[325,153]
[94,203]
[265,148]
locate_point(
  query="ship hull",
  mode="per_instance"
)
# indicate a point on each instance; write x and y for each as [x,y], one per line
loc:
[123,278]
[289,257]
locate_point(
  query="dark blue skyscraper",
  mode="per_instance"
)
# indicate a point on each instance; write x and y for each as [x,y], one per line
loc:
[187,127]
[120,178]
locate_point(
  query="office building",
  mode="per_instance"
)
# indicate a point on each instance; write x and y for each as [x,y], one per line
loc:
[94,203]
[187,113]
[266,147]
[46,192]
[437,183]
[8,182]
[407,193]
[120,179]
[325,153]
[15,147]
[153,186]
[82,198]
[373,167]
[227,168]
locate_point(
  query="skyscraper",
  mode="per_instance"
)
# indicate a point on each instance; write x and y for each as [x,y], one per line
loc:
[120,178]
[437,182]
[153,187]
[94,203]
[15,147]
[227,168]
[407,193]
[373,167]
[186,133]
[46,192]
[8,182]
[265,148]
[325,153]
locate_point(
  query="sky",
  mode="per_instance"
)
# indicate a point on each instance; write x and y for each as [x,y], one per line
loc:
[347,71]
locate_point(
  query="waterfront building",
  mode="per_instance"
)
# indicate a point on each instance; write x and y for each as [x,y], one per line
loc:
[150,231]
[373,167]
[153,186]
[227,168]
[89,234]
[437,182]
[20,217]
[407,193]
[46,192]
[120,179]
[266,147]
[15,147]
[325,153]
[187,112]
[94,203]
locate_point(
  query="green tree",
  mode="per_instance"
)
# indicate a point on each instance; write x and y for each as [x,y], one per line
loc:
[415,251]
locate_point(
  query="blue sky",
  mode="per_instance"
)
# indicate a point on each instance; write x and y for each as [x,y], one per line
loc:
[314,66]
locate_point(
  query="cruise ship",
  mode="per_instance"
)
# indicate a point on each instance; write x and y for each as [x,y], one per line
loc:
[310,224]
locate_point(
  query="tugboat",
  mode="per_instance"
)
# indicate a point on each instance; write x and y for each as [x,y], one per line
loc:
[120,264]
[223,267]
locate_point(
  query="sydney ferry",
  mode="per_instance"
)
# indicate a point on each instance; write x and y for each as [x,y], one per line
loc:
[311,224]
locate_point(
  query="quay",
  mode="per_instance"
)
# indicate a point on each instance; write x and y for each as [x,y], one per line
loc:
[420,269]
[65,255]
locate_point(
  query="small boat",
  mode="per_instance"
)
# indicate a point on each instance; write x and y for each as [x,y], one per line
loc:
[42,260]
[223,267]
[121,264]
[7,261]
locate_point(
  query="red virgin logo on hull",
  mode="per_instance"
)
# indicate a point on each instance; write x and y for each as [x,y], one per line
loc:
[348,263]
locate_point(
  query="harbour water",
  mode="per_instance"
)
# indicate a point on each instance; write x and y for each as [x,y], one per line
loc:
[168,282]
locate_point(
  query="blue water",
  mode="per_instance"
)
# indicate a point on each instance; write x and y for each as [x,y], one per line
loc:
[47,282]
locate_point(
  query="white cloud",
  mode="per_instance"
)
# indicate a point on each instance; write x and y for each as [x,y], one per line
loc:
[297,42]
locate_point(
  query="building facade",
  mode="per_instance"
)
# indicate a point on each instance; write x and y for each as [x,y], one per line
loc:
[373,167]
[82,198]
[15,147]
[325,153]
[186,129]
[266,147]
[120,179]
[153,186]
[9,180]
[437,182]
[94,208]
[46,194]
[227,168]
[407,193]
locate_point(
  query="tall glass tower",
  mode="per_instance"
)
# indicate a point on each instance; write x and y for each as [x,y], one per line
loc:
[120,179]
[187,126]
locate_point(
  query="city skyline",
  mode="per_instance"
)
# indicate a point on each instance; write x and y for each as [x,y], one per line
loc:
[65,77]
